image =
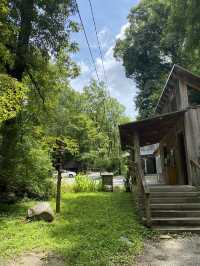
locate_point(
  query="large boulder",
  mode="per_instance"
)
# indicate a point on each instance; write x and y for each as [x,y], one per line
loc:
[41,211]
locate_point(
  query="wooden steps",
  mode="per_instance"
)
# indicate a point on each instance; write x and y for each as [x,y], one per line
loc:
[177,229]
[175,208]
[176,213]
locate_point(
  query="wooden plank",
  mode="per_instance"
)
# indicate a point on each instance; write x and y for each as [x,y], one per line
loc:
[192,134]
[183,95]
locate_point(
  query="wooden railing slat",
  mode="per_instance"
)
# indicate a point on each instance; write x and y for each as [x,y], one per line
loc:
[146,193]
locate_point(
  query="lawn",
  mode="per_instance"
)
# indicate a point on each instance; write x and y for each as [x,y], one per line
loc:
[87,232]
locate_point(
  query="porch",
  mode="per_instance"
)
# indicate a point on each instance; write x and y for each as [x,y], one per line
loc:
[174,200]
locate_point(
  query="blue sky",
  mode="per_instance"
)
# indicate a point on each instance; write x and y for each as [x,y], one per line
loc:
[111,21]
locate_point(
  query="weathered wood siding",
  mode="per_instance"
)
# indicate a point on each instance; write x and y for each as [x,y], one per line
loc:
[192,133]
[177,97]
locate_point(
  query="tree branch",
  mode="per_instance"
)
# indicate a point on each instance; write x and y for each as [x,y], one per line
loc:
[36,85]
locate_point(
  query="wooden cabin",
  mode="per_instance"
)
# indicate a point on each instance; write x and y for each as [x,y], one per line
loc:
[173,205]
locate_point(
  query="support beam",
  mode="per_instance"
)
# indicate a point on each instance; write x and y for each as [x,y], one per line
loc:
[141,180]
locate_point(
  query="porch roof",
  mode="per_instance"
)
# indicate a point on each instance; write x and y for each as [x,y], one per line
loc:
[150,130]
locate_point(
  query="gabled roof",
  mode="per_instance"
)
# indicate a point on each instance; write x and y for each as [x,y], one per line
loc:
[177,73]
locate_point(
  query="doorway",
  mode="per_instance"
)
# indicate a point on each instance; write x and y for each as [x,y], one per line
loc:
[182,158]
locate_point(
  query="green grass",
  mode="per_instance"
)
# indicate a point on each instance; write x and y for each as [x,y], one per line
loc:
[87,232]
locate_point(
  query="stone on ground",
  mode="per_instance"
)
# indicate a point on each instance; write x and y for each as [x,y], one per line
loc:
[41,211]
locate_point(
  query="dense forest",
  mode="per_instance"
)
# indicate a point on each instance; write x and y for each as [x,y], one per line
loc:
[38,104]
[160,33]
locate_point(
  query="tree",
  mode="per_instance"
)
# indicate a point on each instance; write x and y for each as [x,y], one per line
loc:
[12,95]
[141,54]
[107,113]
[30,39]
[159,35]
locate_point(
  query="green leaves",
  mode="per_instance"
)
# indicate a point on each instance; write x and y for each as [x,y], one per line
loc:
[158,35]
[12,97]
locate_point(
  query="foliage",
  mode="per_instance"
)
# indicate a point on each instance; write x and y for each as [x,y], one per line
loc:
[158,35]
[85,184]
[140,51]
[87,232]
[106,114]
[36,54]
[34,171]
[12,94]
[29,42]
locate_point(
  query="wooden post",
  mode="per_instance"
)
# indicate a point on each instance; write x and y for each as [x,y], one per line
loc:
[137,148]
[142,181]
[148,209]
[58,163]
[58,192]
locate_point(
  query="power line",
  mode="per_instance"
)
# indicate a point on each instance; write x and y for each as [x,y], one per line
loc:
[88,44]
[107,92]
[99,45]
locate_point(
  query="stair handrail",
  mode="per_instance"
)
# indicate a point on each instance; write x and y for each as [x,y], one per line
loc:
[195,163]
[146,192]
[142,178]
[195,167]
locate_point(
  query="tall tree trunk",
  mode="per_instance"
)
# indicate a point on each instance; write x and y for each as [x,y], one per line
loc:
[10,129]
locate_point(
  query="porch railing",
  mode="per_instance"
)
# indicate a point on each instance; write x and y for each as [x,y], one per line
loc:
[195,168]
[145,192]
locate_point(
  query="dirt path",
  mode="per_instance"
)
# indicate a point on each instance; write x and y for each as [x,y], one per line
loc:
[36,259]
[174,251]
[163,251]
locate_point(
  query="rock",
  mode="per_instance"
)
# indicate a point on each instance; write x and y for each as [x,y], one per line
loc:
[126,240]
[41,211]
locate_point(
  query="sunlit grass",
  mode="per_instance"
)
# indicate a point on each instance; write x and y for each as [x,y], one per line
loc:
[87,232]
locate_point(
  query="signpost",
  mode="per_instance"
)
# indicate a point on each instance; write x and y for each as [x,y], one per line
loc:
[58,163]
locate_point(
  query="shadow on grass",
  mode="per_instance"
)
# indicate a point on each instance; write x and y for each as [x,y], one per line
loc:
[87,232]
[91,226]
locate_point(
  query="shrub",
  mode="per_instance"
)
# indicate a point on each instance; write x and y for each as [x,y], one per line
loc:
[85,184]
[33,171]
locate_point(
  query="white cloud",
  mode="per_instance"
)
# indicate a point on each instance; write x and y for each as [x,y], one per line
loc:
[84,67]
[104,38]
[121,34]
[120,87]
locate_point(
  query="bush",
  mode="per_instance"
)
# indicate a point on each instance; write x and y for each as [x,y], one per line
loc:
[33,172]
[85,184]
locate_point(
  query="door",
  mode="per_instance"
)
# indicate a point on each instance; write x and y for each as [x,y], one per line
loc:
[182,159]
[172,170]
[170,164]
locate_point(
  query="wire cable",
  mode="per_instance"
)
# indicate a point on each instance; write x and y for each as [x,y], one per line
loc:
[99,45]
[88,44]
